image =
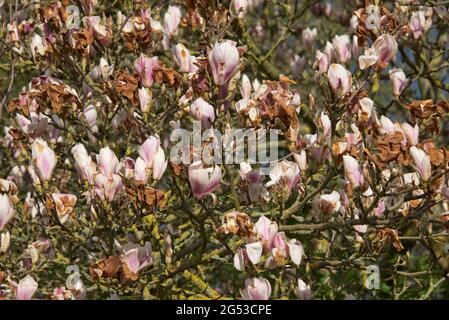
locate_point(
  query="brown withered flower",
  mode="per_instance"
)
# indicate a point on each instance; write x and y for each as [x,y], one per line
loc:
[238,223]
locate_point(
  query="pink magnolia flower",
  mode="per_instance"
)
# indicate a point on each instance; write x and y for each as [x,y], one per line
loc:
[137,257]
[144,67]
[102,33]
[239,7]
[303,291]
[256,289]
[322,61]
[172,18]
[340,79]
[6,210]
[203,181]
[352,171]
[253,178]
[108,162]
[422,163]
[145,98]
[386,48]
[329,203]
[203,111]
[148,150]
[159,164]
[25,289]
[106,187]
[308,36]
[43,159]
[85,167]
[325,124]
[398,79]
[411,133]
[184,59]
[266,230]
[224,61]
[301,159]
[419,24]
[285,172]
[342,46]
[254,252]
[140,171]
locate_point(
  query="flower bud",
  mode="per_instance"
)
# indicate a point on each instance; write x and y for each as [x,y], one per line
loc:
[203,111]
[422,163]
[203,181]
[43,159]
[256,289]
[224,61]
[340,79]
[399,80]
[352,171]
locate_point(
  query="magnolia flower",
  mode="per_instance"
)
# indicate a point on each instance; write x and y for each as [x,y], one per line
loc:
[295,251]
[102,71]
[38,45]
[107,187]
[303,291]
[266,231]
[147,151]
[352,171]
[254,252]
[329,203]
[85,167]
[43,159]
[90,113]
[145,98]
[224,61]
[286,172]
[255,187]
[137,257]
[398,79]
[411,133]
[203,111]
[387,125]
[386,48]
[144,67]
[342,46]
[368,59]
[301,159]
[172,18]
[64,204]
[340,79]
[140,171]
[25,289]
[93,24]
[108,162]
[239,7]
[325,124]
[419,24]
[422,163]
[6,210]
[308,36]
[5,241]
[256,289]
[184,59]
[159,164]
[322,61]
[203,181]
[240,259]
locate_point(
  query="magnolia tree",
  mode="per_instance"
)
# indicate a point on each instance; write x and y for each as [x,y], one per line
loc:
[251,149]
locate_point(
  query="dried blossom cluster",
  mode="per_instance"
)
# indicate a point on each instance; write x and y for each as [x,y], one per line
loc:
[93,205]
